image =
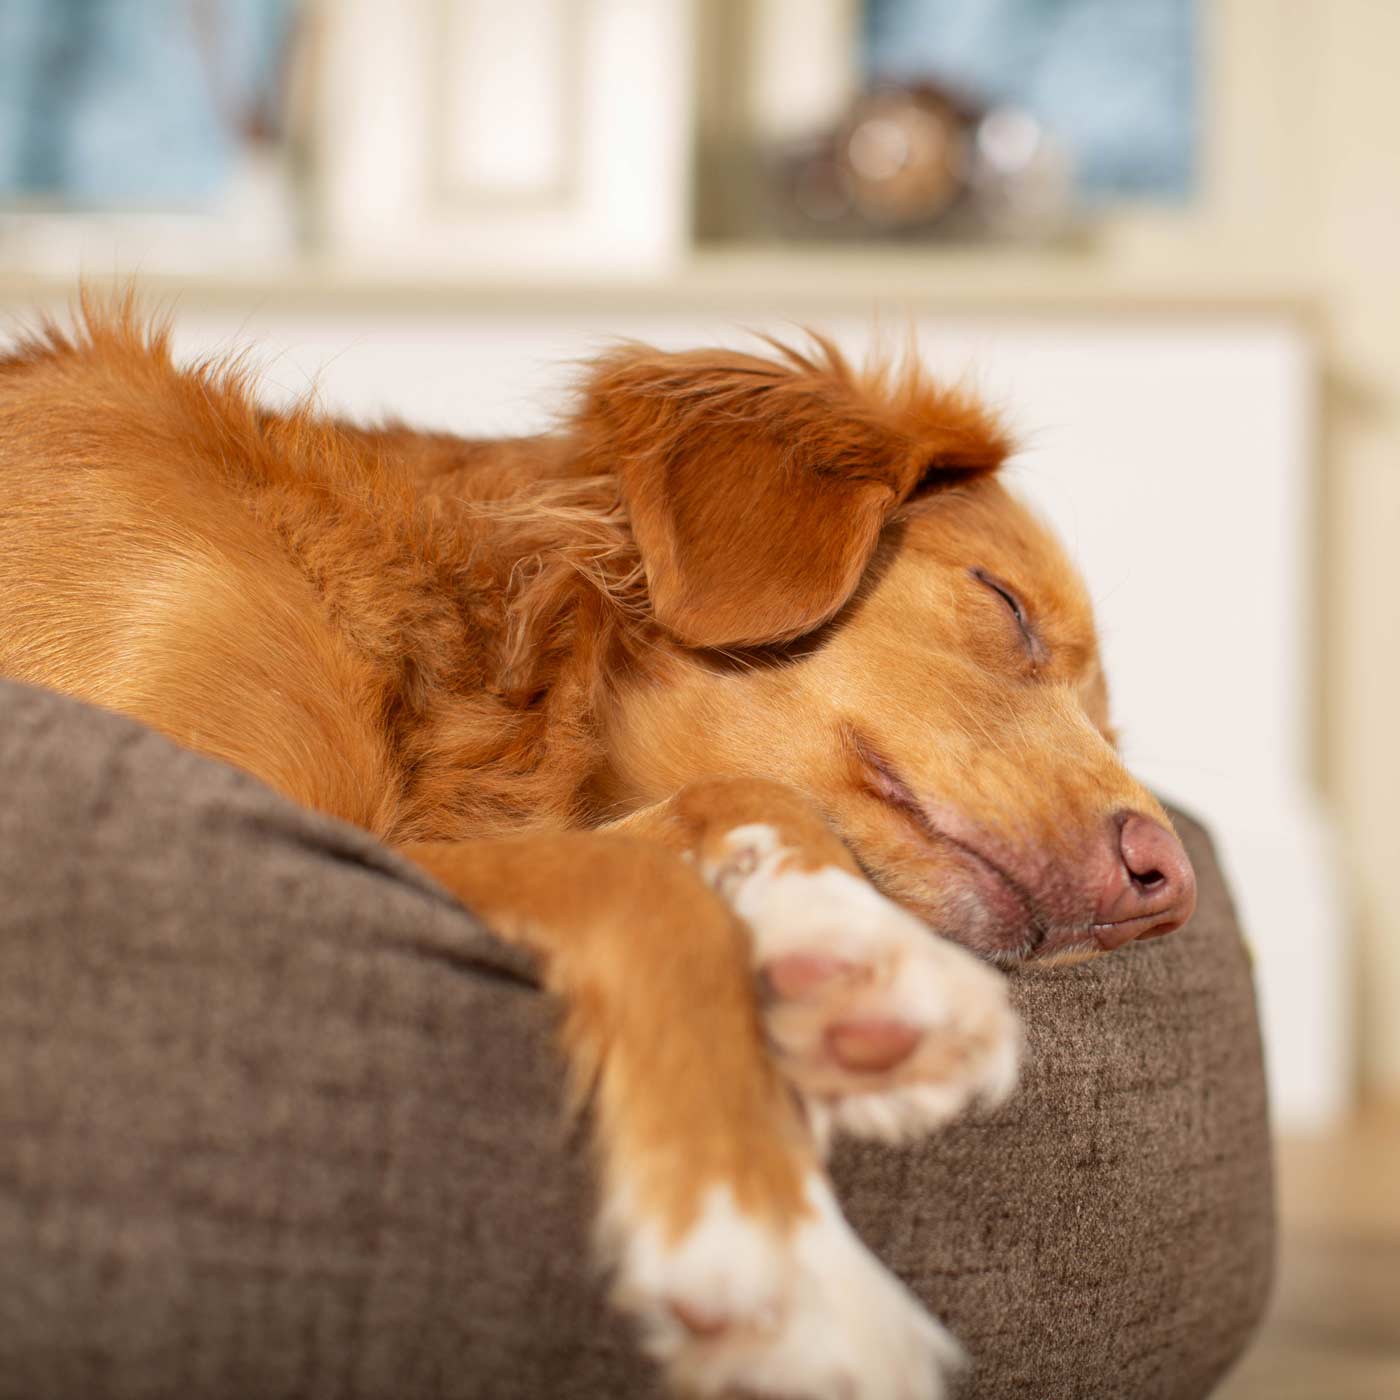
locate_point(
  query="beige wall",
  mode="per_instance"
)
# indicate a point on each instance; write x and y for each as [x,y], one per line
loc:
[1359,195]
[1305,171]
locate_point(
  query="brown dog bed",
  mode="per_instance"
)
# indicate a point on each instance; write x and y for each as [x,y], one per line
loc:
[278,1119]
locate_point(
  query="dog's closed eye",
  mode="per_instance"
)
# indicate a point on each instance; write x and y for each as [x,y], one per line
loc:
[1035,646]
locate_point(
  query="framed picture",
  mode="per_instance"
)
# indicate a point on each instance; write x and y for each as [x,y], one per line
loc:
[1115,83]
[152,132]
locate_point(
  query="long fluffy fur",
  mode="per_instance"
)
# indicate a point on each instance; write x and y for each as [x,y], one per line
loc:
[474,601]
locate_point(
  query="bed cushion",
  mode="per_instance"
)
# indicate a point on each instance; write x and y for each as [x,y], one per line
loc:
[278,1118]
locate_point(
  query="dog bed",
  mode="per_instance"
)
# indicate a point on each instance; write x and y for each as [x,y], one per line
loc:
[277,1118]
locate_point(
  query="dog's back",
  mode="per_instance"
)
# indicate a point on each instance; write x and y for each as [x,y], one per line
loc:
[321,604]
[143,569]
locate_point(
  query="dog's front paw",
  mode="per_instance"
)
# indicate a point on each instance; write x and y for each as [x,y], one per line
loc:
[886,1029]
[737,1307]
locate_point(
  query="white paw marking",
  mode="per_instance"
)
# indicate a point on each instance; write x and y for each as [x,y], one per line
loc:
[813,1316]
[901,973]
[725,1268]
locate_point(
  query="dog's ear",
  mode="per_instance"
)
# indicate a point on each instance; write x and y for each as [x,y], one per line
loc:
[756,488]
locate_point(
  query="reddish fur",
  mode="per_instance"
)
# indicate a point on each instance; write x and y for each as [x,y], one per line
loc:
[757,489]
[472,647]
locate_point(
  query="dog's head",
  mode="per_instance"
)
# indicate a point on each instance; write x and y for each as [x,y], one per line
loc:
[853,604]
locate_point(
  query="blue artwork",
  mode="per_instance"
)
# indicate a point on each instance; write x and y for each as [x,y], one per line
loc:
[132,103]
[1113,80]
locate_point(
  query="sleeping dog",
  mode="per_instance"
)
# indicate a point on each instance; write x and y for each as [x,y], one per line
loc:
[750,701]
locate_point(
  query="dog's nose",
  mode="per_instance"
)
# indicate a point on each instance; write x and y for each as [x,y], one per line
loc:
[1150,888]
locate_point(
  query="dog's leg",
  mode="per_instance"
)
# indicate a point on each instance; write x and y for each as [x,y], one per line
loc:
[728,1246]
[886,1029]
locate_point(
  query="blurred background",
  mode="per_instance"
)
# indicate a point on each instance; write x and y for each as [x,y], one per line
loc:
[1160,233]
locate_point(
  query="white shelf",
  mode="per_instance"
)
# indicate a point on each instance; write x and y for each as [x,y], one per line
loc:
[747,280]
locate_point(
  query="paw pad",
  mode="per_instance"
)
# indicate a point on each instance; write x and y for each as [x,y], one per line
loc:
[871,1046]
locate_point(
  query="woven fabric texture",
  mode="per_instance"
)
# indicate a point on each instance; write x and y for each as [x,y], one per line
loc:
[278,1119]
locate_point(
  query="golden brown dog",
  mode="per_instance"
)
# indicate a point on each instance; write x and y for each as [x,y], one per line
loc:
[754,667]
